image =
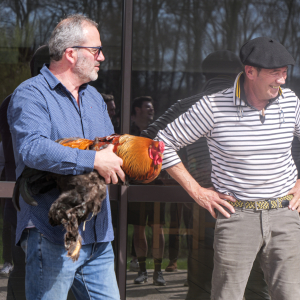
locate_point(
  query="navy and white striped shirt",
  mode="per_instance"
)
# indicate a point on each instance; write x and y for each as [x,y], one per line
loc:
[41,111]
[251,160]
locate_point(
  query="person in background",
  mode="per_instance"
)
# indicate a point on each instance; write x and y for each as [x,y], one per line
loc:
[110,103]
[59,103]
[6,230]
[16,273]
[111,109]
[16,281]
[142,214]
[142,113]
[12,253]
[2,160]
[255,195]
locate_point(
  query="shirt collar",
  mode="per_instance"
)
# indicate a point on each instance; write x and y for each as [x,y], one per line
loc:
[50,78]
[239,91]
[53,81]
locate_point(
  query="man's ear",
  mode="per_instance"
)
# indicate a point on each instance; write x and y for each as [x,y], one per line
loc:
[70,55]
[137,110]
[250,72]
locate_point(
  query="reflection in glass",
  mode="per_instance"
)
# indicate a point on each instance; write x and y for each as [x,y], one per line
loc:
[171,39]
[171,42]
[187,262]
[26,25]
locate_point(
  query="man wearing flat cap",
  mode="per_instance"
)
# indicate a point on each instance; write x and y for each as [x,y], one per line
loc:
[255,196]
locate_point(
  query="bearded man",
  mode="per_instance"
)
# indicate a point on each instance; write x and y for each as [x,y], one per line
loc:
[59,103]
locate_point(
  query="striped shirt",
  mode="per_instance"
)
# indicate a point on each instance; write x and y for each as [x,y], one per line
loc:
[251,160]
[199,164]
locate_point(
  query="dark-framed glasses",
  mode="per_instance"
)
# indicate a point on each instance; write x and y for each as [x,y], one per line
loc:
[93,50]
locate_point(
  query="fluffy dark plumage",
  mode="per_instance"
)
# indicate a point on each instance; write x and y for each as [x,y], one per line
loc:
[81,195]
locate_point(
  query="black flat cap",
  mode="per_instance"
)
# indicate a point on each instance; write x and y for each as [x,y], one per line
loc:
[265,52]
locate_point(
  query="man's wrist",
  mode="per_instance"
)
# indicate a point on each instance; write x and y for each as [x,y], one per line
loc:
[85,161]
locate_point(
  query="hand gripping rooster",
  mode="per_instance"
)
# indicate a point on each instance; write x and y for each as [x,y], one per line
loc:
[82,195]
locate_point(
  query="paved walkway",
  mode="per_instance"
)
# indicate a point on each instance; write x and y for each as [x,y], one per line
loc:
[174,289]
[3,285]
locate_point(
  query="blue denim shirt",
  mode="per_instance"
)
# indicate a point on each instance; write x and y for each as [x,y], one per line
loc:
[41,111]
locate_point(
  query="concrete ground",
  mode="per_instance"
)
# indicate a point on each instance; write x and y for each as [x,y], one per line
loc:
[3,285]
[256,288]
[174,289]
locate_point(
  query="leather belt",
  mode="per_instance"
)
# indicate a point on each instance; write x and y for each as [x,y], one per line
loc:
[264,204]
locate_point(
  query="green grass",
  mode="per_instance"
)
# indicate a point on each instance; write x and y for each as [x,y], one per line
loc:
[181,263]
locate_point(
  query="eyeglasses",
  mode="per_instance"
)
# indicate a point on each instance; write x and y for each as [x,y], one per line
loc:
[93,50]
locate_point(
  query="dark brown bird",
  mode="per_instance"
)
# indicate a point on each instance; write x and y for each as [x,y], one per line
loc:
[82,195]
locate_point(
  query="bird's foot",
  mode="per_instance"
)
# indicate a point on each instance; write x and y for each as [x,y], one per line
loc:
[74,249]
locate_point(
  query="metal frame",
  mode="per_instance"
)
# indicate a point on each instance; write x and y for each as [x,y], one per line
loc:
[125,126]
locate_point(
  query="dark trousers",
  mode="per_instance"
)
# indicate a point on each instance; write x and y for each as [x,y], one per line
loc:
[16,280]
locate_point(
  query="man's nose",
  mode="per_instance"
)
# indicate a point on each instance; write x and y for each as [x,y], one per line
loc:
[281,79]
[101,56]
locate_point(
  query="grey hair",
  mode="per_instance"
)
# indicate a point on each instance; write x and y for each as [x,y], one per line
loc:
[68,33]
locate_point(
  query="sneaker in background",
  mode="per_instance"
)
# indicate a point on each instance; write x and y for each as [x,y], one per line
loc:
[142,278]
[134,265]
[158,278]
[7,268]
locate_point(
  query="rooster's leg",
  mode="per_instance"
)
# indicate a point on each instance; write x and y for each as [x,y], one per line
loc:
[72,238]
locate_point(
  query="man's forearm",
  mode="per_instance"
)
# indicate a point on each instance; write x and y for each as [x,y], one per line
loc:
[207,198]
[185,179]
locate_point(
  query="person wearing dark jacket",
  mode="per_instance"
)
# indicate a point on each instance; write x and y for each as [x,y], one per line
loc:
[16,281]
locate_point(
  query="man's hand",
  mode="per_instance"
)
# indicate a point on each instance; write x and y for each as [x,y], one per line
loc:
[108,165]
[207,198]
[295,202]
[210,199]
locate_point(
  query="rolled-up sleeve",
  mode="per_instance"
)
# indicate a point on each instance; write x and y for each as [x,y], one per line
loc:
[186,129]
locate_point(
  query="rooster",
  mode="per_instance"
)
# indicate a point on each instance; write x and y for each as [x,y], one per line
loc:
[82,195]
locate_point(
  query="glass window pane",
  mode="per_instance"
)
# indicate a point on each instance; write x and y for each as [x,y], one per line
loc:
[24,26]
[171,41]
[176,239]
